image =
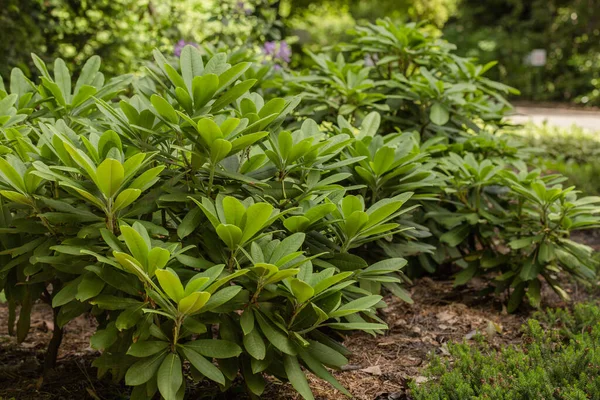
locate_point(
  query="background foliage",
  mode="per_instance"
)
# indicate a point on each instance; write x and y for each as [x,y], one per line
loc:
[124,32]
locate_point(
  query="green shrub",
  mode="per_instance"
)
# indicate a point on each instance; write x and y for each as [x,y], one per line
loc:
[558,359]
[188,223]
[481,207]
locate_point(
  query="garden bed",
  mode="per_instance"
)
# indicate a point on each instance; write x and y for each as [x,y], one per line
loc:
[380,368]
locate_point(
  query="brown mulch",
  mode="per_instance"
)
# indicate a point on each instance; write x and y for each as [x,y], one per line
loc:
[379,368]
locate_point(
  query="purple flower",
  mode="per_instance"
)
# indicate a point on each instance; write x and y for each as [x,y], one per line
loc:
[180,45]
[277,52]
[269,48]
[285,52]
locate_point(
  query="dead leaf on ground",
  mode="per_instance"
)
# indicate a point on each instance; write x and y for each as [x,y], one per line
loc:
[373,370]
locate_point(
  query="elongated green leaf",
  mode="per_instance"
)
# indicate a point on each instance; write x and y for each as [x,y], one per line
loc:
[143,370]
[125,198]
[297,377]
[255,345]
[136,244]
[164,109]
[215,348]
[275,336]
[205,367]
[169,376]
[147,348]
[232,94]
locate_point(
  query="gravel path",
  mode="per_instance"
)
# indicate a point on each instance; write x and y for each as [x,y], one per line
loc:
[557,116]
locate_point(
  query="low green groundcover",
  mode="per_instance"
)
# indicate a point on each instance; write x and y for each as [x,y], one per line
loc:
[559,359]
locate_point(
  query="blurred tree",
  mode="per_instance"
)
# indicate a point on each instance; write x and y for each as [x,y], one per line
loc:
[507,30]
[122,32]
[435,11]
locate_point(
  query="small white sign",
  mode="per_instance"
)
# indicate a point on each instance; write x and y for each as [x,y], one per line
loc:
[537,58]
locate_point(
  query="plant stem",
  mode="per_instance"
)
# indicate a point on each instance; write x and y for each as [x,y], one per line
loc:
[211,177]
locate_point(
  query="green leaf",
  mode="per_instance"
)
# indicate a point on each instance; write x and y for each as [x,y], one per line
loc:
[169,377]
[147,348]
[465,275]
[275,336]
[203,89]
[88,72]
[62,77]
[534,293]
[234,210]
[193,302]
[296,376]
[273,106]
[230,234]
[516,297]
[529,270]
[67,293]
[191,65]
[90,286]
[254,344]
[164,109]
[12,176]
[215,348]
[16,197]
[83,161]
[144,370]
[189,223]
[301,290]
[125,198]
[196,283]
[383,160]
[455,236]
[219,149]
[326,354]
[351,326]
[205,367]
[170,283]
[439,114]
[317,368]
[110,176]
[136,244]
[247,321]
[370,125]
[360,304]
[221,297]
[157,259]
[147,179]
[232,94]
[257,216]
[85,93]
[232,74]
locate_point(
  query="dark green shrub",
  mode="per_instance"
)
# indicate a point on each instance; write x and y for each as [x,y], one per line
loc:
[559,359]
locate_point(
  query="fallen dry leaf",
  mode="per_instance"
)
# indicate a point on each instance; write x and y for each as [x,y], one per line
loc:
[445,316]
[373,370]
